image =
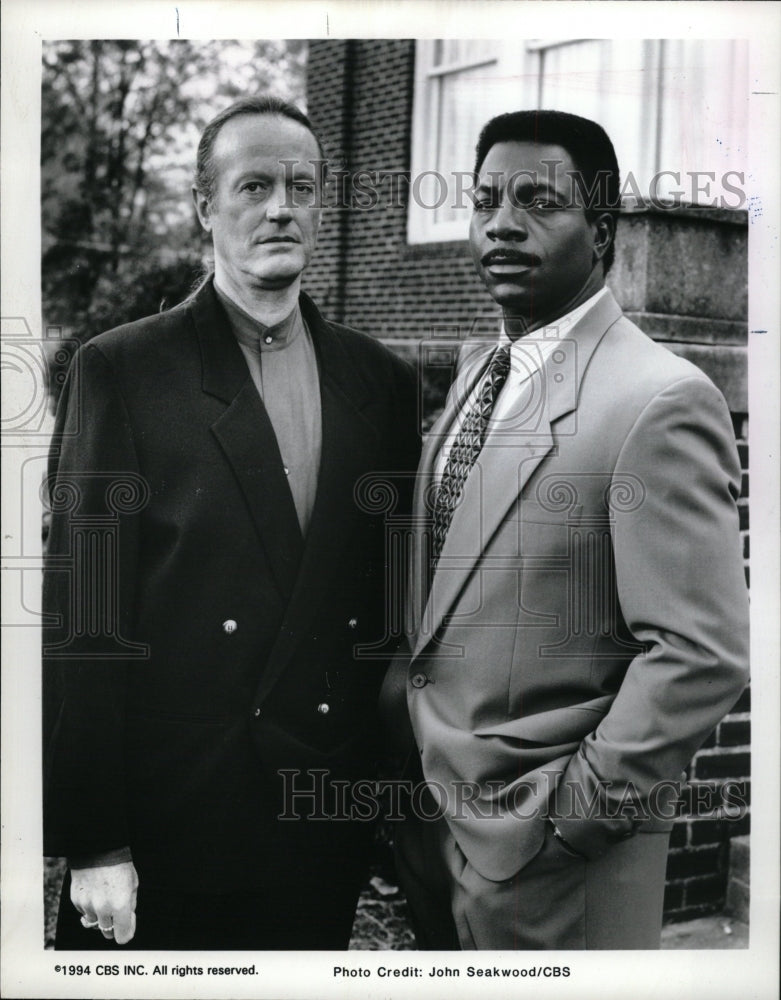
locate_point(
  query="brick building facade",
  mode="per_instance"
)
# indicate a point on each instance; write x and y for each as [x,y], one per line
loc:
[680,274]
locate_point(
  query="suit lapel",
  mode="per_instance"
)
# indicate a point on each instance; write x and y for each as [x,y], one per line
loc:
[472,364]
[507,462]
[248,441]
[349,448]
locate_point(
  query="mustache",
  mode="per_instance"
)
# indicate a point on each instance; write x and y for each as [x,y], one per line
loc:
[509,255]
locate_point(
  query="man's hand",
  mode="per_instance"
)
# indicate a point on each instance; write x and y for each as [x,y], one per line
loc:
[106,899]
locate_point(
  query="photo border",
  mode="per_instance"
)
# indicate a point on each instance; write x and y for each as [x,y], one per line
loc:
[27,970]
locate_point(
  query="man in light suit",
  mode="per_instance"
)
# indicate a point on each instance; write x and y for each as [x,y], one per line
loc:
[210,573]
[583,622]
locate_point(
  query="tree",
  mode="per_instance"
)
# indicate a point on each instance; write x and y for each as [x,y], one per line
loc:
[120,124]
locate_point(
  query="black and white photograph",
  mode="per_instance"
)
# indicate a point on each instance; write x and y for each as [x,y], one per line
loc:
[390,500]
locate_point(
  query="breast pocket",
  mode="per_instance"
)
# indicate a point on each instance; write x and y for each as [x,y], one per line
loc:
[544,533]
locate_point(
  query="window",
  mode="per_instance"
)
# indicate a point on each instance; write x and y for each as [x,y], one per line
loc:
[459,85]
[671,107]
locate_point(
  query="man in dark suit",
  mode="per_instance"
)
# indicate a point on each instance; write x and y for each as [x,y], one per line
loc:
[587,624]
[210,574]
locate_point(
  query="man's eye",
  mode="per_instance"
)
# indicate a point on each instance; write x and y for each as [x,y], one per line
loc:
[253,187]
[304,194]
[543,204]
[485,204]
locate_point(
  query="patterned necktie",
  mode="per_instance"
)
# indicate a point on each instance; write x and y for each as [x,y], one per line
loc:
[466,447]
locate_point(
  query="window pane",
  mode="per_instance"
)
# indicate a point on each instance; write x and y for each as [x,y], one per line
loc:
[678,106]
[704,125]
[467,101]
[457,51]
[610,83]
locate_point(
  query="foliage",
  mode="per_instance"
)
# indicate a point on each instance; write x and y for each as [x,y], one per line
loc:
[120,125]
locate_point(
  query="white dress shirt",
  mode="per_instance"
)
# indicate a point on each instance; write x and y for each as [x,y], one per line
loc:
[517,400]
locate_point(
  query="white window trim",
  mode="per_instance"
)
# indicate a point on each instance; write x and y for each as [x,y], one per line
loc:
[420,228]
[512,58]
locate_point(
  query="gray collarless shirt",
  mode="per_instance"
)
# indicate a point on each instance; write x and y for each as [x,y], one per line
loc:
[283,366]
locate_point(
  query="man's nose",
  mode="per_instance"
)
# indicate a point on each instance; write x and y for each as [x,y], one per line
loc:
[279,205]
[508,222]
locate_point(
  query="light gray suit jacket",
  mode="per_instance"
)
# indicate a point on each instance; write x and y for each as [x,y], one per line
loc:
[587,625]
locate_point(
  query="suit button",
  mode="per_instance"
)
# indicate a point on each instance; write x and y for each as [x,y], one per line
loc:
[353,623]
[323,708]
[256,713]
[419,680]
[229,626]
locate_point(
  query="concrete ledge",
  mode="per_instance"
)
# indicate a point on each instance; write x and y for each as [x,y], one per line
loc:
[691,329]
[725,366]
[739,882]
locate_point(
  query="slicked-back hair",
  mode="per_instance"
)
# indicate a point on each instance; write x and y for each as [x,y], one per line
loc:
[264,104]
[586,142]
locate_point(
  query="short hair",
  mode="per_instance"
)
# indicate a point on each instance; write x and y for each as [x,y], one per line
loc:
[586,142]
[265,104]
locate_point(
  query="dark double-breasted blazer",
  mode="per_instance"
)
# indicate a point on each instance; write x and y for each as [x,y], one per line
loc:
[195,643]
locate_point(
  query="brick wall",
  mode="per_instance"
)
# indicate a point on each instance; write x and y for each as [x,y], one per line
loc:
[680,275]
[332,117]
[697,869]
[391,289]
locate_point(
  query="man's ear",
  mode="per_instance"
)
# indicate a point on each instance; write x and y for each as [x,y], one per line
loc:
[604,234]
[202,208]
